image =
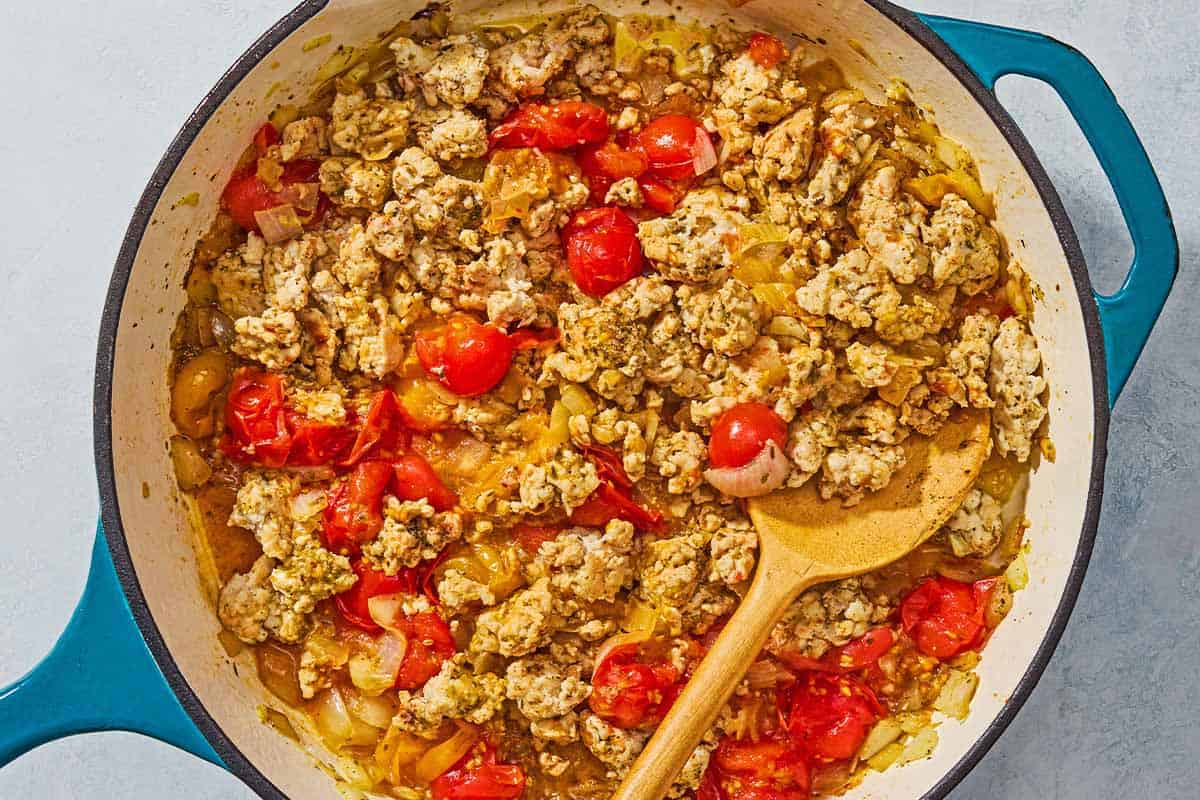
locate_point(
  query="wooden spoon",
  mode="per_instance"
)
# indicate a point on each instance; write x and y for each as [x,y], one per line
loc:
[804,541]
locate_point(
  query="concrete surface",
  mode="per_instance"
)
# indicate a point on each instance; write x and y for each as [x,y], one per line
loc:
[94,91]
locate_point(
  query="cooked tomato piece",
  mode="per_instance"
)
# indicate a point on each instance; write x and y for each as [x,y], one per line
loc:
[770,768]
[608,463]
[742,432]
[486,781]
[316,443]
[629,690]
[560,126]
[535,338]
[943,616]
[610,502]
[352,604]
[829,715]
[767,50]
[675,146]
[383,431]
[532,537]
[863,651]
[429,644]
[265,137]
[659,195]
[256,427]
[710,787]
[246,193]
[355,510]
[465,355]
[416,480]
[605,164]
[602,249]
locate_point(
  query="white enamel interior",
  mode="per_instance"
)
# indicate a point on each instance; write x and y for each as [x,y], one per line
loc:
[154,518]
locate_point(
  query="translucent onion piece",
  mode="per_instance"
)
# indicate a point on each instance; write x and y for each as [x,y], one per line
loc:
[386,609]
[767,674]
[332,718]
[374,711]
[447,754]
[307,504]
[279,224]
[375,672]
[191,470]
[704,155]
[954,700]
[302,196]
[764,474]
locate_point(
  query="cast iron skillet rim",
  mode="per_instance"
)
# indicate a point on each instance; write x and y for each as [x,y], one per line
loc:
[912,25]
[106,353]
[110,511]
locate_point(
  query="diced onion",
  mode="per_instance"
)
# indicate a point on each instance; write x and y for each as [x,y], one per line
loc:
[333,718]
[279,224]
[301,196]
[191,470]
[765,473]
[307,504]
[1017,574]
[386,609]
[886,731]
[375,672]
[768,674]
[447,754]
[920,746]
[954,700]
[374,711]
[704,155]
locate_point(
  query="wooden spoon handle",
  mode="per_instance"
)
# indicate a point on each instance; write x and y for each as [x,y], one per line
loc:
[774,587]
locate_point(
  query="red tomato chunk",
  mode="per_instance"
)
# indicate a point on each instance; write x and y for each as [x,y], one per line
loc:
[603,250]
[629,691]
[559,126]
[945,617]
[464,355]
[741,433]
[767,50]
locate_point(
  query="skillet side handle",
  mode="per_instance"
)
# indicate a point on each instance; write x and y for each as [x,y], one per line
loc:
[1128,315]
[99,676]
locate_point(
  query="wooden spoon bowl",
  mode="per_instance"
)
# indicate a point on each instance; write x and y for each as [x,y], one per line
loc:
[804,541]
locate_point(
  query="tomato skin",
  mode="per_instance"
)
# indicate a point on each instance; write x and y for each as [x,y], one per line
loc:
[602,165]
[315,444]
[943,616]
[669,143]
[246,193]
[602,248]
[772,768]
[741,433]
[383,430]
[863,651]
[429,644]
[559,126]
[629,692]
[613,498]
[264,138]
[355,510]
[532,537]
[255,420]
[488,781]
[659,195]
[767,50]
[464,355]
[416,480]
[829,715]
[352,603]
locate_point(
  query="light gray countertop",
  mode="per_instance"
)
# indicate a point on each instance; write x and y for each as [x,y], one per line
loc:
[95,91]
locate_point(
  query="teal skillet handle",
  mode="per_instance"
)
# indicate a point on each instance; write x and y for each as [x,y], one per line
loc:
[100,676]
[1128,315]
